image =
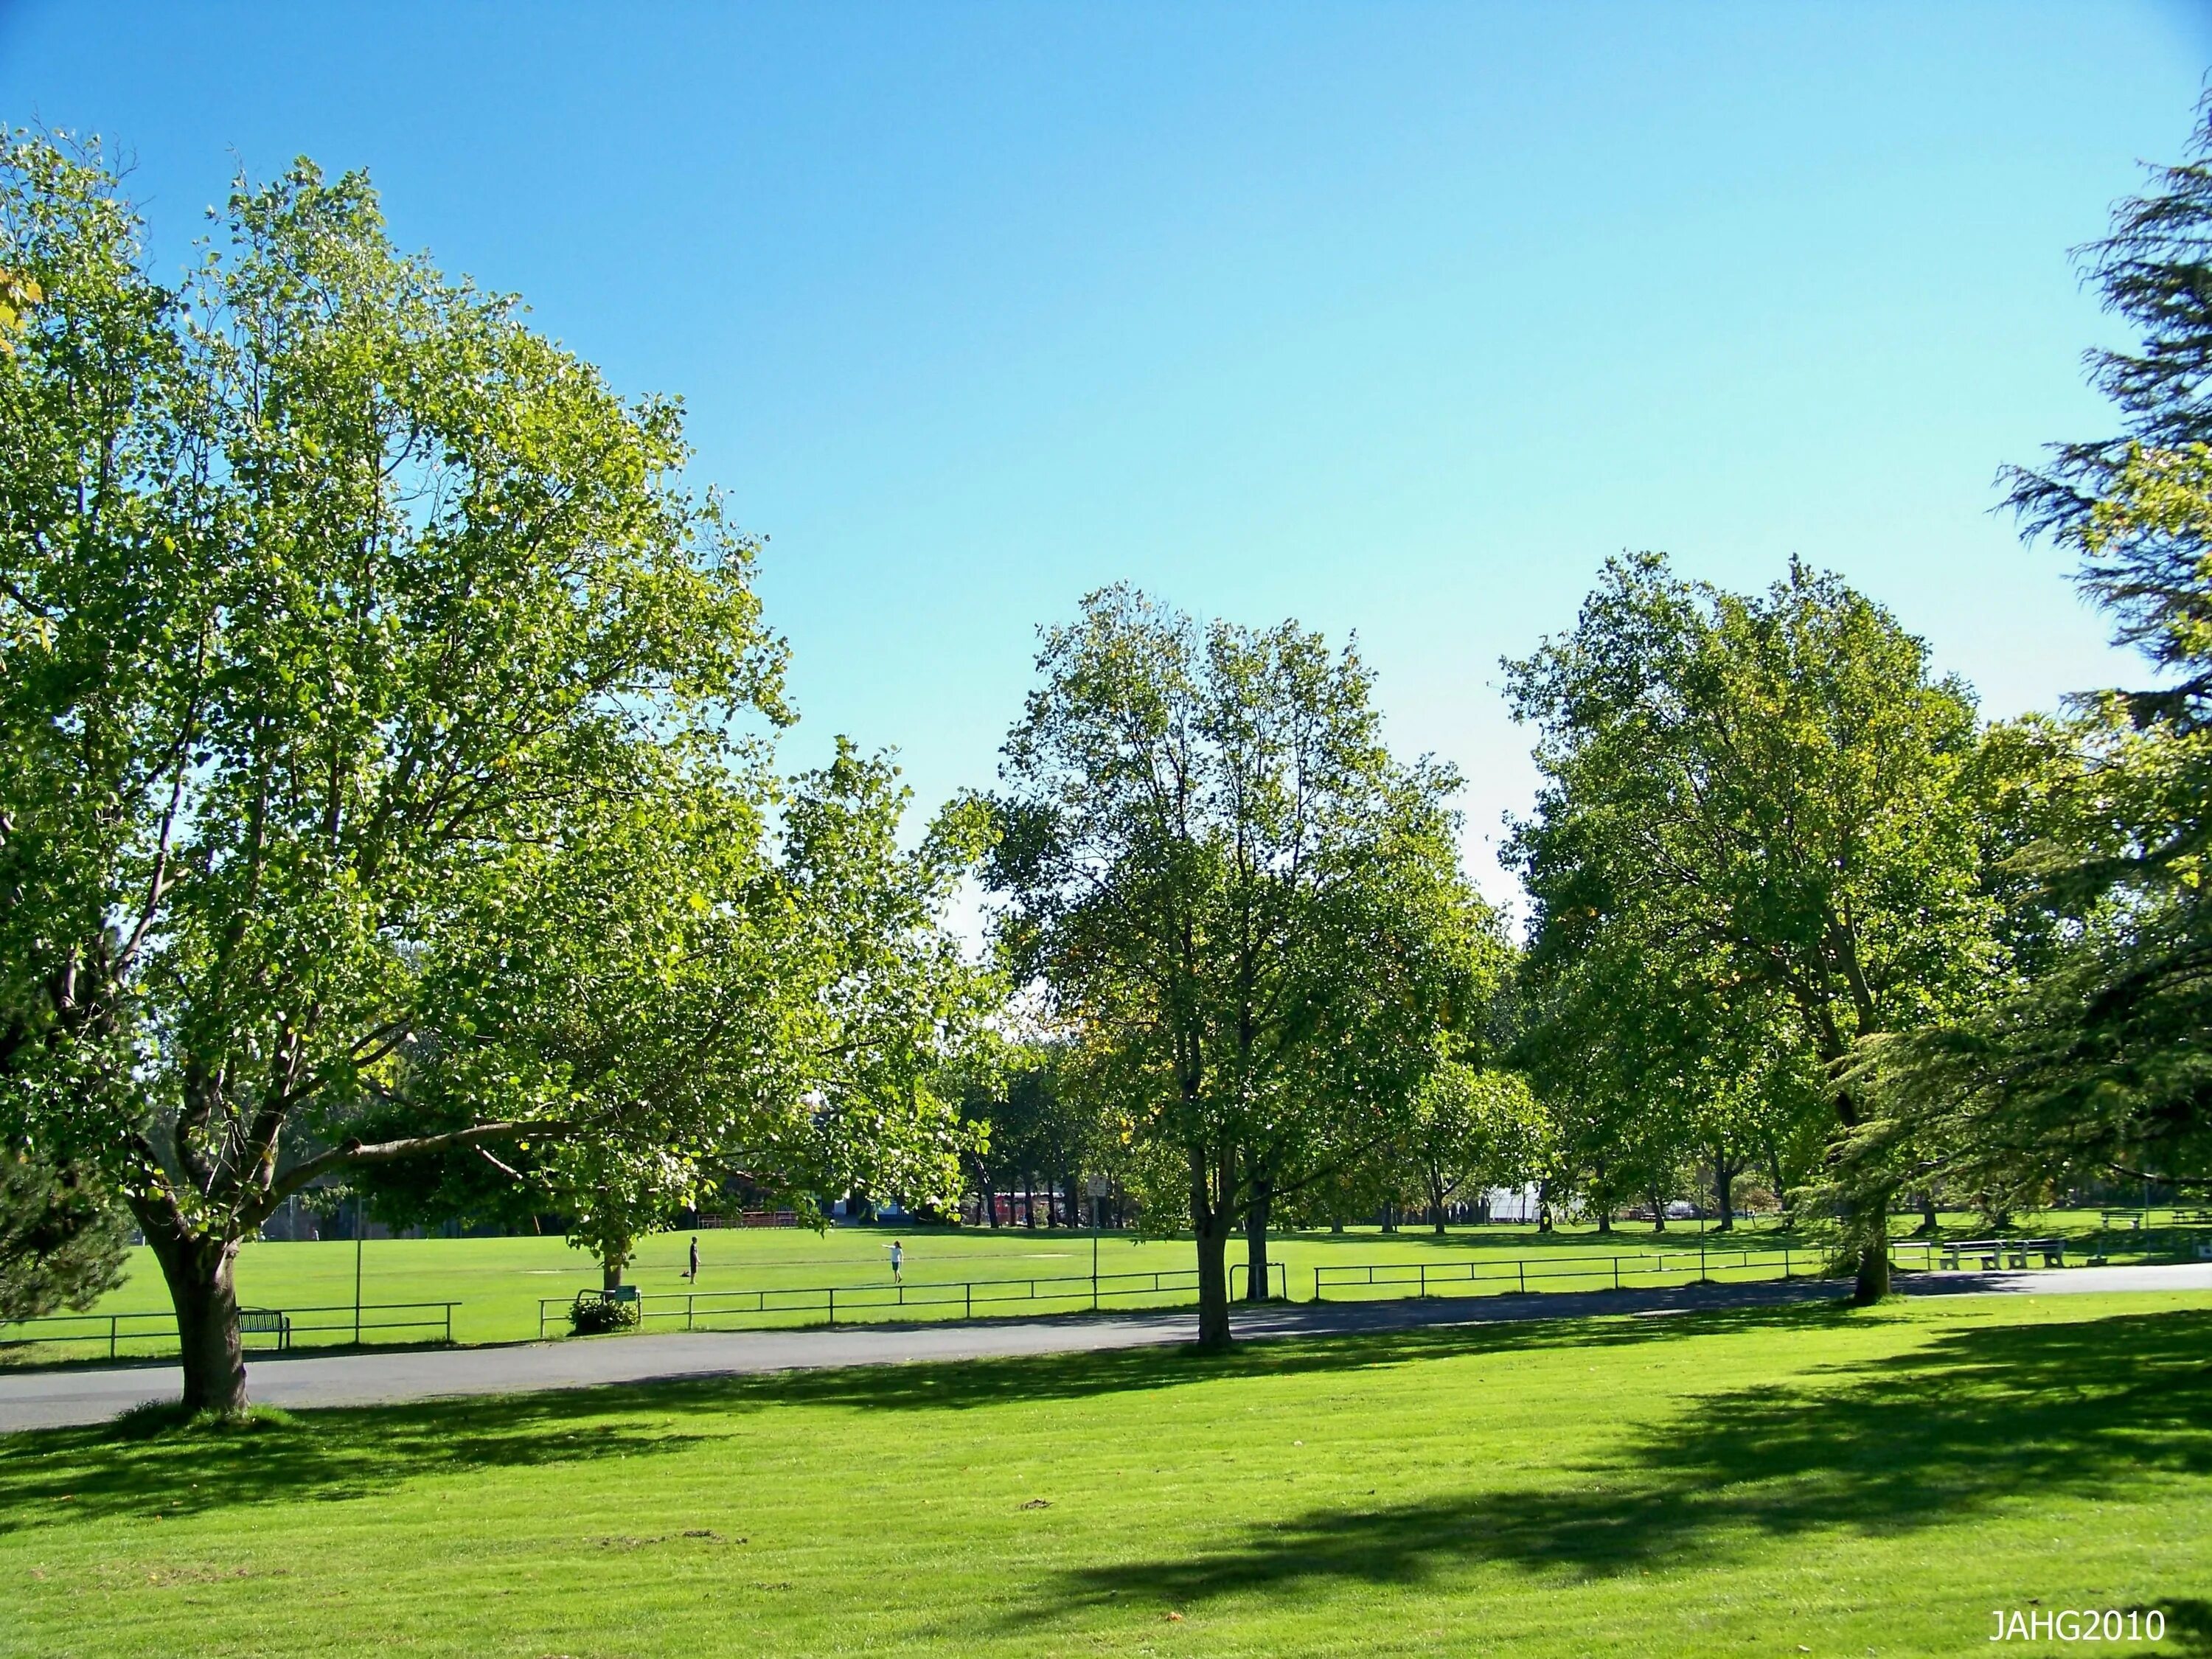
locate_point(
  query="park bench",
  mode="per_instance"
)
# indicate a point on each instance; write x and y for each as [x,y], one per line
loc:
[2135,1218]
[1995,1253]
[266,1322]
[1991,1250]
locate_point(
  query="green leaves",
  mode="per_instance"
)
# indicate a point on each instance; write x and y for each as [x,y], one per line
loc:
[1248,917]
[382,751]
[2091,1064]
[1757,844]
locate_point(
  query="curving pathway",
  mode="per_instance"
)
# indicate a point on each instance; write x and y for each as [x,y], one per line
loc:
[50,1399]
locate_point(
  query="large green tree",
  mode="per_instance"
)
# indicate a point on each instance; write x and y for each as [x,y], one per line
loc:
[2094,1067]
[1247,914]
[337,604]
[1763,794]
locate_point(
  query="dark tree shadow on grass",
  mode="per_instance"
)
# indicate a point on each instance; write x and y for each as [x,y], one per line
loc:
[52,1476]
[1887,1446]
[55,1476]
[964,1385]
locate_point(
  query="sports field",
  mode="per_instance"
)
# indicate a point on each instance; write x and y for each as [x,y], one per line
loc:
[499,1284]
[1803,1480]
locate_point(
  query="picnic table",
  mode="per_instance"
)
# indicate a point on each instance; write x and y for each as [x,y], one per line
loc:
[2183,1216]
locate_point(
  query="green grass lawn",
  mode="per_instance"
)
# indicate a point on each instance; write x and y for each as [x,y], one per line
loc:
[498,1282]
[1803,1480]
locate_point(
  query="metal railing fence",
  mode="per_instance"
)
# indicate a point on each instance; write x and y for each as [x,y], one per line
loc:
[343,1322]
[1649,1269]
[1516,1274]
[694,1311]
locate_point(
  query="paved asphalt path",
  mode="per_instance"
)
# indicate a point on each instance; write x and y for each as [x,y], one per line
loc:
[50,1399]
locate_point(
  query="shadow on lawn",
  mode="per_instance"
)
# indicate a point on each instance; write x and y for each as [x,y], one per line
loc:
[52,1476]
[2189,1621]
[1890,1445]
[962,1384]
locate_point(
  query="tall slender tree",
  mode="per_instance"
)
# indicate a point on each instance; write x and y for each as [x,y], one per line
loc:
[1221,877]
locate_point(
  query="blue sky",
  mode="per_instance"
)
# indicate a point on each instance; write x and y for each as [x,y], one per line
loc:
[1397,319]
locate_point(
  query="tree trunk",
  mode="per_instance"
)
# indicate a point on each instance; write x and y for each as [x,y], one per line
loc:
[1211,1223]
[1436,1200]
[1724,1192]
[1872,1282]
[1867,1226]
[1256,1239]
[1930,1222]
[199,1275]
[611,1264]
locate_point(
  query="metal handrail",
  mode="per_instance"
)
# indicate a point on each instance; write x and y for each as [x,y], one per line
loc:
[967,1294]
[1519,1270]
[114,1323]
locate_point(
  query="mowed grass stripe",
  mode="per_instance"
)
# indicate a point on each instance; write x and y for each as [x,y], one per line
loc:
[1713,1483]
[498,1282]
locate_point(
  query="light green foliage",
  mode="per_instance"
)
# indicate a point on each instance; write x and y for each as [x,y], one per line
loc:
[376,697]
[1755,805]
[1248,916]
[1710,1484]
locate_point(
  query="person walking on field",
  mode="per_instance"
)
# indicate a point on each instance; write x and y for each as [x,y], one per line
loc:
[692,1272]
[898,1259]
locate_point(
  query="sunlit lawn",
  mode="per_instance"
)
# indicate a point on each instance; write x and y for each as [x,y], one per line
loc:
[498,1283]
[1807,1478]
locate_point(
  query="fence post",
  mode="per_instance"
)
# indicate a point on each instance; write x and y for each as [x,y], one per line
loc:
[1616,1273]
[1785,1262]
[1520,1270]
[833,1304]
[968,1299]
